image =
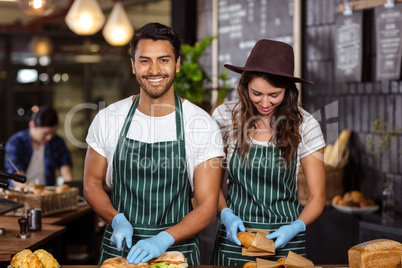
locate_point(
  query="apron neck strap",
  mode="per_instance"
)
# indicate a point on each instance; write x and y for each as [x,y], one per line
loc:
[178,113]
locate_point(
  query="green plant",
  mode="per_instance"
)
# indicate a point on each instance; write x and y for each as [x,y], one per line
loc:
[191,80]
[380,144]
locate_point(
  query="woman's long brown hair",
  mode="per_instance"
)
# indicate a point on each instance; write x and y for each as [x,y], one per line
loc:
[285,120]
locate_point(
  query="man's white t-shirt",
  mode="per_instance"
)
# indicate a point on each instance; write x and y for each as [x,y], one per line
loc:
[310,131]
[203,140]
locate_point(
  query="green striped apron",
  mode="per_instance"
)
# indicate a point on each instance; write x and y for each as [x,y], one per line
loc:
[151,187]
[263,195]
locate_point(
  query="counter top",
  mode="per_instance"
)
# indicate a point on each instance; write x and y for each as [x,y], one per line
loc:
[10,244]
[51,228]
[201,266]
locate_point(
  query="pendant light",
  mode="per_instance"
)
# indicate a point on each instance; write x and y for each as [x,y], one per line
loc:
[37,7]
[118,30]
[85,17]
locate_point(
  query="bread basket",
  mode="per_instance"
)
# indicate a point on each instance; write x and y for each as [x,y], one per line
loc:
[333,181]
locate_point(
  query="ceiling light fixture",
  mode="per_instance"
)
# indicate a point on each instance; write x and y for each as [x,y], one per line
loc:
[37,7]
[118,30]
[85,17]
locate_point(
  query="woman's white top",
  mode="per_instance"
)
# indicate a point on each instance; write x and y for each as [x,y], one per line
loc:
[312,138]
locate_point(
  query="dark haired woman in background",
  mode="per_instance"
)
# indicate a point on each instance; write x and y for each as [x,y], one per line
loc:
[37,151]
[267,136]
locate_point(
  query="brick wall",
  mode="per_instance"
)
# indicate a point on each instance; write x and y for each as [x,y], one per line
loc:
[351,105]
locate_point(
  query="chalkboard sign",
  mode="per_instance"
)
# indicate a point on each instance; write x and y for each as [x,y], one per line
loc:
[388,23]
[242,23]
[348,47]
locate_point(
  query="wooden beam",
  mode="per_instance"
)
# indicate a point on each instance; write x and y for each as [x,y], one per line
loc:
[364,4]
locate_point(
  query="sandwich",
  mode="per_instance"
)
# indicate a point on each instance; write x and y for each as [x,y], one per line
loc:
[246,238]
[118,262]
[169,259]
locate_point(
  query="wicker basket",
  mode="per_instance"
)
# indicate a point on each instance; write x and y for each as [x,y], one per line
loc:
[49,204]
[333,181]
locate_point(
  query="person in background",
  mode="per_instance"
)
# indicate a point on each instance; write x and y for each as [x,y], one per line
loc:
[38,151]
[267,136]
[153,149]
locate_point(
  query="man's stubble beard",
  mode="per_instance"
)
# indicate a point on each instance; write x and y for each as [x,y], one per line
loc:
[155,94]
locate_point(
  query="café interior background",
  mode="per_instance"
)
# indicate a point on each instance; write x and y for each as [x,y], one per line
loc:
[86,73]
[81,74]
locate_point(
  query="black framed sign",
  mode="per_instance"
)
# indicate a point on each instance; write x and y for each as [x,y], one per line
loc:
[388,22]
[348,47]
[242,23]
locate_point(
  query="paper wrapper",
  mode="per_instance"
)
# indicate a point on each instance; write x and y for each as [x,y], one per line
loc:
[261,245]
[293,260]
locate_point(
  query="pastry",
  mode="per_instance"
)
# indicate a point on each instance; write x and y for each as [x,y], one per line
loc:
[26,259]
[46,258]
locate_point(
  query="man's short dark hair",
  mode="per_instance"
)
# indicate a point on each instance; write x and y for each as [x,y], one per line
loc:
[156,31]
[45,116]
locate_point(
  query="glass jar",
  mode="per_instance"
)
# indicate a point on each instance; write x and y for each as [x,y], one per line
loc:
[388,198]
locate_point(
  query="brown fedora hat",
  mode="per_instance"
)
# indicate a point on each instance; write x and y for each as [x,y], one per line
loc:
[269,56]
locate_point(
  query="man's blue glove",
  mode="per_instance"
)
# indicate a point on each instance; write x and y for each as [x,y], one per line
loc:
[232,223]
[122,228]
[149,248]
[286,233]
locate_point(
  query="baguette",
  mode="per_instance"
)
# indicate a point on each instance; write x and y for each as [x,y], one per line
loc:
[335,153]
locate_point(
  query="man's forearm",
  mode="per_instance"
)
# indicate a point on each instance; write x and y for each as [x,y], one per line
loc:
[100,202]
[193,223]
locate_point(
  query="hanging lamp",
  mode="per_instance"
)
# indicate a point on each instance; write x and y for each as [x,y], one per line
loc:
[37,7]
[85,17]
[118,30]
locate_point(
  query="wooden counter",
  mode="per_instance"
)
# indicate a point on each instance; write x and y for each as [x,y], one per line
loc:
[52,227]
[10,244]
[203,266]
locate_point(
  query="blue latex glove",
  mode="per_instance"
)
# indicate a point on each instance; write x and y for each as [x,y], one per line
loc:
[286,233]
[149,248]
[232,223]
[122,228]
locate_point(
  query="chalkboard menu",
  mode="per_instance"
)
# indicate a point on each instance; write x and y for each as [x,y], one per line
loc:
[388,22]
[348,47]
[242,23]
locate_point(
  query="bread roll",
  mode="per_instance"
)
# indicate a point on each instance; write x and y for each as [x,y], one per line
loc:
[26,259]
[379,253]
[246,238]
[250,265]
[46,258]
[282,260]
[366,203]
[118,262]
[336,200]
[63,188]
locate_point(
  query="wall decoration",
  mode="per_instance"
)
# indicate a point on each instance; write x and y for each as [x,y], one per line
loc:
[388,22]
[348,47]
[242,23]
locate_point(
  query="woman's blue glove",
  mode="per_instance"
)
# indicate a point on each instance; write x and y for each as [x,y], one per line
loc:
[122,228]
[286,233]
[232,223]
[149,248]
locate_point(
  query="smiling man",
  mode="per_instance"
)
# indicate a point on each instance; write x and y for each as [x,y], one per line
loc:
[154,150]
